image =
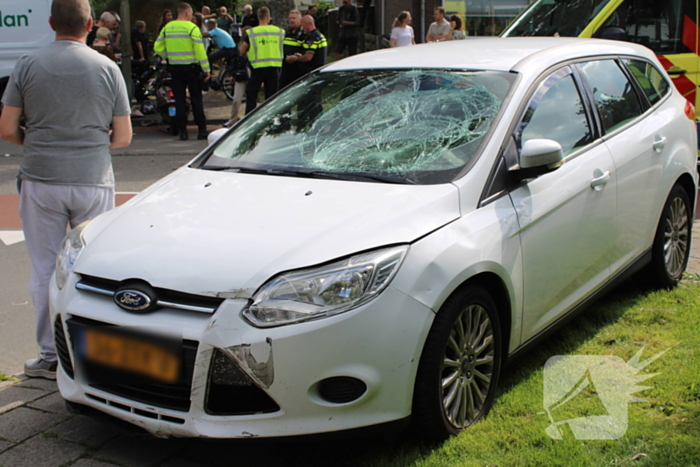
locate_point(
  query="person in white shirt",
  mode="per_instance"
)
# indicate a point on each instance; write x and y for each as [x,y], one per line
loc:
[402,32]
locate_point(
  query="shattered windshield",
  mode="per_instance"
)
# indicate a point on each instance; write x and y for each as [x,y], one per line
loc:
[565,18]
[411,126]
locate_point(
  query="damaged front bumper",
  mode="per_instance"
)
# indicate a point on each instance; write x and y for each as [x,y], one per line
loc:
[348,371]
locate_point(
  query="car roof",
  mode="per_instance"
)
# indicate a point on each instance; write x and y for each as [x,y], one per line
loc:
[499,54]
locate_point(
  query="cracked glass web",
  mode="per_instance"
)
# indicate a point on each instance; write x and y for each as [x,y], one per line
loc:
[401,124]
[426,125]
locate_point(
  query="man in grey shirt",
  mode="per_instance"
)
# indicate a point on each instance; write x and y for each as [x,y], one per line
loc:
[440,29]
[69,96]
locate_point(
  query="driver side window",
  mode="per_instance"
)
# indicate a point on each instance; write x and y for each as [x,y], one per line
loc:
[558,115]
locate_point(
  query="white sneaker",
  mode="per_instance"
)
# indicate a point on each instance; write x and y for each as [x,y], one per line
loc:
[40,368]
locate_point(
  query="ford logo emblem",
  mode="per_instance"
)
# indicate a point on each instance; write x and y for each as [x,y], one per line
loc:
[132,300]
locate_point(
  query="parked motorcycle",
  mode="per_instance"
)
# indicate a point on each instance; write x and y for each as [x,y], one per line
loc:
[165,99]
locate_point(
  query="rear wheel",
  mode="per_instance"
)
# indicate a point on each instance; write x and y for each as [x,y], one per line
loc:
[460,365]
[170,121]
[671,247]
[227,83]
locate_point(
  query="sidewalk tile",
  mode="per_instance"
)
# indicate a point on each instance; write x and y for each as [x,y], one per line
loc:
[132,451]
[39,383]
[14,394]
[5,445]
[23,423]
[85,430]
[41,452]
[51,403]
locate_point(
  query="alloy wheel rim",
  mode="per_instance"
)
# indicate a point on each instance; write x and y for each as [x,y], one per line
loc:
[676,237]
[467,368]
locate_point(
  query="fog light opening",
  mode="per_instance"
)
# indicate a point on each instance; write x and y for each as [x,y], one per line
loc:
[341,389]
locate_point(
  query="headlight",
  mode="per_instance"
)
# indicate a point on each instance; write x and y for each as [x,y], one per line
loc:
[68,253]
[325,291]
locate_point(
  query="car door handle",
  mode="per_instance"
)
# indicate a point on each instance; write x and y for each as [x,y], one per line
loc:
[659,143]
[601,178]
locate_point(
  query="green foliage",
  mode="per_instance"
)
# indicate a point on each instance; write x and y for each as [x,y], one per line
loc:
[4,377]
[279,9]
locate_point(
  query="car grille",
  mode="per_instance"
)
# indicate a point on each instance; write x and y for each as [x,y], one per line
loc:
[168,396]
[165,298]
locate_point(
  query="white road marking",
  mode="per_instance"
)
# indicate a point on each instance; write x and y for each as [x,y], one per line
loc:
[10,237]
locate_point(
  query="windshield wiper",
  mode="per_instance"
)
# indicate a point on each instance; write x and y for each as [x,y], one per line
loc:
[350,176]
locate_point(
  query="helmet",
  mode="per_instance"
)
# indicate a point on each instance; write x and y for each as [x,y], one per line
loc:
[148,107]
[215,84]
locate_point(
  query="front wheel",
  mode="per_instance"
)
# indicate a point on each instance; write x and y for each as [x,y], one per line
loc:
[460,365]
[671,247]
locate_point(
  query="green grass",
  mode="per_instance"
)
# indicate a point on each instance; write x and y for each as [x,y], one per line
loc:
[664,430]
[4,377]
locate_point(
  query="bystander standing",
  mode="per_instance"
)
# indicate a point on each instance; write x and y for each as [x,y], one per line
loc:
[165,18]
[102,43]
[66,175]
[440,29]
[457,31]
[106,20]
[401,31]
[225,21]
[249,19]
[349,22]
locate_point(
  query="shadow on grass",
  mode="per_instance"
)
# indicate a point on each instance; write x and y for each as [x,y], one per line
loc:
[575,333]
[350,450]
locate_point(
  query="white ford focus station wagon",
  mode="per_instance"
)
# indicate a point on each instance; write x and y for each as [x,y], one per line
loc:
[374,242]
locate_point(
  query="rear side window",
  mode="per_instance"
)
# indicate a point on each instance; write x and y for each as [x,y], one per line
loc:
[615,97]
[651,81]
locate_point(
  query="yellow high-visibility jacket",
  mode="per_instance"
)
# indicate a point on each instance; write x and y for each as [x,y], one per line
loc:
[180,43]
[266,46]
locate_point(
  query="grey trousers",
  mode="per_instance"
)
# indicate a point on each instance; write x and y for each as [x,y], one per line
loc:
[46,212]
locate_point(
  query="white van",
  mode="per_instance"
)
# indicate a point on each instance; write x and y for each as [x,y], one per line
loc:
[24,27]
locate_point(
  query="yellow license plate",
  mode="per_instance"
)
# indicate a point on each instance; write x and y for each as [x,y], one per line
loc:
[132,355]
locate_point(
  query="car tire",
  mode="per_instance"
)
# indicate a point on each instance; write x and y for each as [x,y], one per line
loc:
[459,367]
[671,248]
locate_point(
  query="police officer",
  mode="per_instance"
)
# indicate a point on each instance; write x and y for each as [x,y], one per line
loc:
[263,44]
[180,43]
[315,47]
[293,44]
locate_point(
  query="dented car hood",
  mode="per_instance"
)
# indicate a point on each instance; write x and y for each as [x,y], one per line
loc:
[225,233]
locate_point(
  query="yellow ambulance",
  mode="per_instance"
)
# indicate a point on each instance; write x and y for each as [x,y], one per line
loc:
[668,27]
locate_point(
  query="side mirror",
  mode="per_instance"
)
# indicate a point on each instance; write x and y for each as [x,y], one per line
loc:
[215,135]
[540,153]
